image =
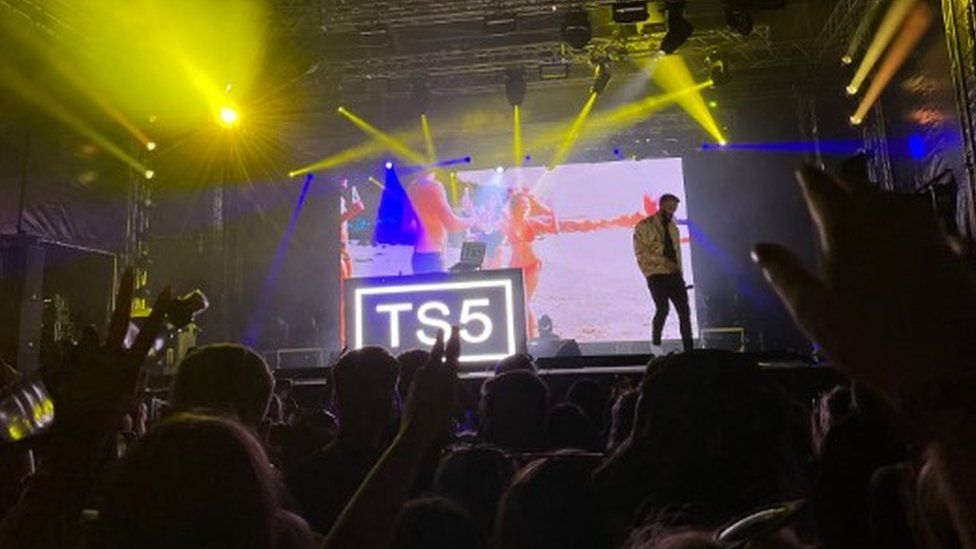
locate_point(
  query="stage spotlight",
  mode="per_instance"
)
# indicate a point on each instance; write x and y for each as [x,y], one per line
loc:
[388,165]
[515,87]
[601,77]
[630,12]
[576,30]
[228,116]
[420,95]
[718,68]
[467,159]
[679,29]
[499,169]
[713,104]
[149,174]
[150,145]
[739,19]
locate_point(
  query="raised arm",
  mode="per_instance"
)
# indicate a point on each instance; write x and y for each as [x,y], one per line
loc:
[621,221]
[92,386]
[353,210]
[368,519]
[901,323]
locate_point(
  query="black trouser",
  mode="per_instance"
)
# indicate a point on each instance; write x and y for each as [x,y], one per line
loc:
[664,288]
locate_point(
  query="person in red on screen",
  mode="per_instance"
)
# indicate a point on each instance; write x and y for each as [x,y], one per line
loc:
[348,211]
[529,218]
[436,220]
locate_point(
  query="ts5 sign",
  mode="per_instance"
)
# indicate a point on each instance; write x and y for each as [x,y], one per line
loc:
[403,313]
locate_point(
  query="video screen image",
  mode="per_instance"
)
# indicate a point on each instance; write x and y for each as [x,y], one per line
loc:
[570,231]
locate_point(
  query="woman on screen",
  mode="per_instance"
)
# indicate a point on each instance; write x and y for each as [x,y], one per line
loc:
[529,218]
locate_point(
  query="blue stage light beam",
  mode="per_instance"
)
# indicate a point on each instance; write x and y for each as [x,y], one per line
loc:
[396,221]
[729,265]
[829,147]
[252,330]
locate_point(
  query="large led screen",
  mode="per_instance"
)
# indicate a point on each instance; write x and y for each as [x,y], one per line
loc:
[570,231]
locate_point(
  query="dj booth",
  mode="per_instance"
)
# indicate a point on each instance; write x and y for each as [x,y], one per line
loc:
[405,312]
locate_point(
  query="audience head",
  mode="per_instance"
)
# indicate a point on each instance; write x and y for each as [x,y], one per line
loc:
[591,397]
[365,391]
[622,419]
[309,432]
[830,408]
[436,523]
[475,478]
[568,427]
[551,505]
[513,411]
[516,363]
[410,361]
[192,481]
[224,378]
[710,431]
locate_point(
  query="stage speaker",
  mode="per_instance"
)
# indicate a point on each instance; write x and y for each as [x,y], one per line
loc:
[36,274]
[554,348]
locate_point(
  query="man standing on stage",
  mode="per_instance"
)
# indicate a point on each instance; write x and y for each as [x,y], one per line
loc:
[657,245]
[436,218]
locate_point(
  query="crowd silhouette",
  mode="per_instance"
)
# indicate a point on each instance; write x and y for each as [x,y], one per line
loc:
[706,451]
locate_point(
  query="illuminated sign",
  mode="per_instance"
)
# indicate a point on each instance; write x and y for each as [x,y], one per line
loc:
[405,312]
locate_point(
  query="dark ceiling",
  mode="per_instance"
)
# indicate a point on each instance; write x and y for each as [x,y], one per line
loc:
[377,47]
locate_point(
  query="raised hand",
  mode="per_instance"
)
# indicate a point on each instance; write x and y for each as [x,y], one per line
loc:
[430,404]
[94,383]
[896,306]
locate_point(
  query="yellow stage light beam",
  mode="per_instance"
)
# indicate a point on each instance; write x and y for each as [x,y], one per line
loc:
[672,75]
[453,185]
[428,139]
[890,24]
[632,113]
[228,116]
[398,147]
[40,98]
[352,154]
[366,149]
[518,150]
[562,153]
[861,32]
[152,56]
[621,117]
[914,29]
[71,73]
